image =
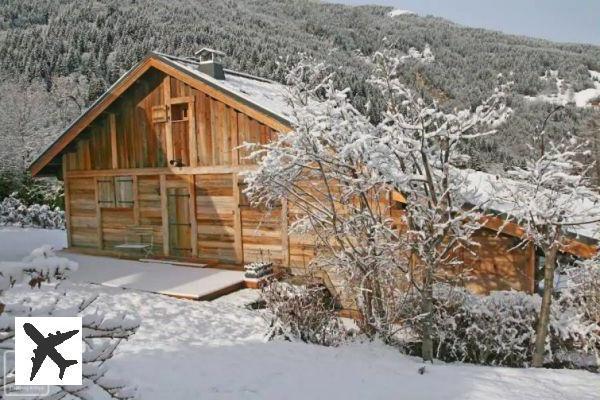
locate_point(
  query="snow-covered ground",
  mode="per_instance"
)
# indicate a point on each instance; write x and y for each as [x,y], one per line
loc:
[16,243]
[565,94]
[216,350]
[395,13]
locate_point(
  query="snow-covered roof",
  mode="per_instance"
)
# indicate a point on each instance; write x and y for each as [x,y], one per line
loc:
[482,189]
[265,94]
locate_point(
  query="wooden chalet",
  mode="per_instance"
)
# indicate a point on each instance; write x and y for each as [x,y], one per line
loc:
[153,167]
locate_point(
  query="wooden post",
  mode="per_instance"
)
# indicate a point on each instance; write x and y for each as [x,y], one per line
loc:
[285,239]
[112,123]
[237,221]
[136,201]
[193,220]
[192,137]
[233,126]
[168,124]
[98,215]
[164,213]
[67,200]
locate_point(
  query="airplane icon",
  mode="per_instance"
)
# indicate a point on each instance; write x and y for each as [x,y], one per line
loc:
[46,347]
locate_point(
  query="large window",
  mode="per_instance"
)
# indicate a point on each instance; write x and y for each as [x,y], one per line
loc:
[115,192]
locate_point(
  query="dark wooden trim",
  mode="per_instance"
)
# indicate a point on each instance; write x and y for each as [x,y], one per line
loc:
[164,214]
[220,169]
[67,200]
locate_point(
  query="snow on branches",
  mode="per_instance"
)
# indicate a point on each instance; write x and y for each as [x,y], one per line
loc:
[302,312]
[499,329]
[321,168]
[102,333]
[14,213]
[551,198]
[339,171]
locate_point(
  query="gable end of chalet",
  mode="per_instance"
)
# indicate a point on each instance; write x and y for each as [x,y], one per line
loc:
[231,92]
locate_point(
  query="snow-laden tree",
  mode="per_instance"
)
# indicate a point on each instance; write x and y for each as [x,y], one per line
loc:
[552,200]
[419,152]
[43,271]
[339,171]
[321,169]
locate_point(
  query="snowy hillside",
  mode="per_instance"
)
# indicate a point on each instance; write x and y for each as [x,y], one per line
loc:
[397,12]
[565,94]
[75,50]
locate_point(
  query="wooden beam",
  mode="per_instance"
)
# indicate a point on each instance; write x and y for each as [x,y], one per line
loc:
[164,213]
[136,201]
[285,239]
[193,219]
[67,200]
[235,139]
[218,169]
[237,221]
[168,125]
[182,100]
[98,215]
[570,246]
[192,135]
[112,123]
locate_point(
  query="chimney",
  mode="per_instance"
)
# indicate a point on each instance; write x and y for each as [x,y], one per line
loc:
[211,62]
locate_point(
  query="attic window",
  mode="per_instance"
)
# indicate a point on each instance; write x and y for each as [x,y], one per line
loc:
[179,112]
[115,192]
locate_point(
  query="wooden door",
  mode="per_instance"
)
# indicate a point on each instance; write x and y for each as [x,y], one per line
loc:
[180,226]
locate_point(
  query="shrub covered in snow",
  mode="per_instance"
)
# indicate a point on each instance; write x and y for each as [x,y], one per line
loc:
[575,321]
[302,312]
[101,333]
[14,213]
[499,329]
[41,265]
[29,190]
[258,269]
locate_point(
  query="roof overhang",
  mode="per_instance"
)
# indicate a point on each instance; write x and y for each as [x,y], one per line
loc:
[165,65]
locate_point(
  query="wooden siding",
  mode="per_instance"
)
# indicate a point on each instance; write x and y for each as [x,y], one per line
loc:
[215,211]
[153,115]
[494,267]
[150,207]
[83,221]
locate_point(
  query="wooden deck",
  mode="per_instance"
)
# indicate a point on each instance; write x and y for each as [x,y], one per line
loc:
[194,283]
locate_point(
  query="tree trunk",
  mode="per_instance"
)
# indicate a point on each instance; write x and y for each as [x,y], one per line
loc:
[427,322]
[544,316]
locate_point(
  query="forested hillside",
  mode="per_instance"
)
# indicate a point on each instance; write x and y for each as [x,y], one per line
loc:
[58,56]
